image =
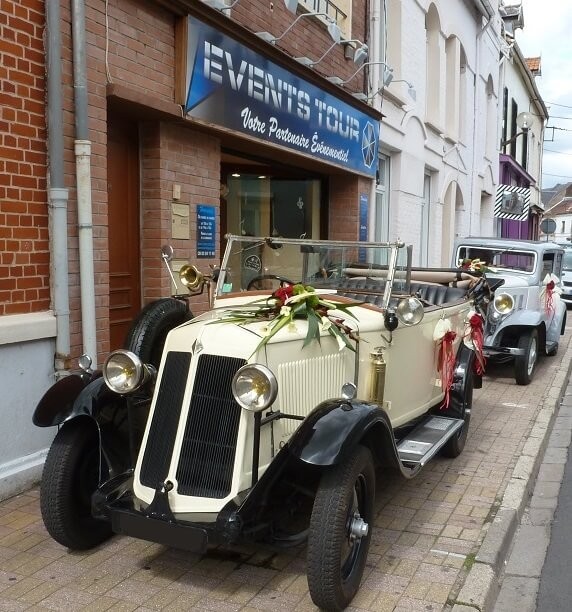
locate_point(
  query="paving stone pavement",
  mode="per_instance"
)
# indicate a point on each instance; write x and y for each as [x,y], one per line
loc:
[439,541]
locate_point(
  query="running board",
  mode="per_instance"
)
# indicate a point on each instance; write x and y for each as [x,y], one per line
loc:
[427,439]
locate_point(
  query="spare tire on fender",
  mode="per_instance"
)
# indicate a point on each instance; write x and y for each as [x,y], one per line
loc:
[149,329]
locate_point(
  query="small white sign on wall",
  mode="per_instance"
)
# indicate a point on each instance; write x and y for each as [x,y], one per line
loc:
[180,220]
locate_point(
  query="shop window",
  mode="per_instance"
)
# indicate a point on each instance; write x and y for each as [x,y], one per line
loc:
[339,10]
[513,127]
[382,210]
[505,116]
[258,205]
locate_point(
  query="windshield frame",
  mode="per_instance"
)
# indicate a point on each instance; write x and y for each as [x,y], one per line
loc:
[499,250]
[315,246]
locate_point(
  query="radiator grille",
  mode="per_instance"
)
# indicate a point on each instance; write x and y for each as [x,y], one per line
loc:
[305,383]
[207,455]
[161,438]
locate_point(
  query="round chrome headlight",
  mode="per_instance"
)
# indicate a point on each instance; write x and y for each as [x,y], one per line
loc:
[254,387]
[503,303]
[410,311]
[123,371]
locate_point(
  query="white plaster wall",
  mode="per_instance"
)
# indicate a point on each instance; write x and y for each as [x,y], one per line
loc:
[518,89]
[417,146]
[26,372]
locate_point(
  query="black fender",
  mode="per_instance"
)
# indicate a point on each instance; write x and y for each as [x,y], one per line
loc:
[74,396]
[99,407]
[464,369]
[337,426]
[57,402]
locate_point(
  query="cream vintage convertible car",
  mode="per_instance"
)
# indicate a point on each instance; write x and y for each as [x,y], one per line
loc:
[319,361]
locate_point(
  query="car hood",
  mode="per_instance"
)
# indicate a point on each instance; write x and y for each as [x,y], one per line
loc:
[511,281]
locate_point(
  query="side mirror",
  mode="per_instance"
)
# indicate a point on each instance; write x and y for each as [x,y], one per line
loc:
[167,252]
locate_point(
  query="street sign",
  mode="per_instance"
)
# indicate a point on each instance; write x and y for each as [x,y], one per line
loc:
[548,226]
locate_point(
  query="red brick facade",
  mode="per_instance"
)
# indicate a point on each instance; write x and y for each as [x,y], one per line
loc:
[24,245]
[140,65]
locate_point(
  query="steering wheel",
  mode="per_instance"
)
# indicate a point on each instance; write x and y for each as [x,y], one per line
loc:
[257,279]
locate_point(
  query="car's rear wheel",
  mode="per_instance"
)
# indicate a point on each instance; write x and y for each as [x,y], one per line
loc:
[525,364]
[340,531]
[72,472]
[149,329]
[455,445]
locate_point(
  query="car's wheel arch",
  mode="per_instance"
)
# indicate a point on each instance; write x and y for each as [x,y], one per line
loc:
[98,405]
[515,331]
[337,427]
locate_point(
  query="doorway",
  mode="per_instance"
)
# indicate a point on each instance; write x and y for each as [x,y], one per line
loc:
[259,198]
[123,227]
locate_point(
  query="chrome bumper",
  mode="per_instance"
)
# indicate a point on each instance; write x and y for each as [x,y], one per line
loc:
[490,351]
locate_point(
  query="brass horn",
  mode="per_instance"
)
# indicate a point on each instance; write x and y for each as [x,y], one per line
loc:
[191,277]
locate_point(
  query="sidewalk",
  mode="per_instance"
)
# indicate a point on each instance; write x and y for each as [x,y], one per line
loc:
[526,562]
[439,540]
[508,566]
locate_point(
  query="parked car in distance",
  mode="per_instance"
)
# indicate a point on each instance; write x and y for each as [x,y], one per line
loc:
[526,317]
[319,361]
[567,275]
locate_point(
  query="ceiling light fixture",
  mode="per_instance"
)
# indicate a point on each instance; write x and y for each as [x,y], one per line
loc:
[333,28]
[364,97]
[220,5]
[311,63]
[387,74]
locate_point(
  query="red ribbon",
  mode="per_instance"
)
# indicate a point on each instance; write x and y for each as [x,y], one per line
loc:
[446,364]
[476,334]
[549,303]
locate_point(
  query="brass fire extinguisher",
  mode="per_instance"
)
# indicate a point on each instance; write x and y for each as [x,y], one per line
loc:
[377,376]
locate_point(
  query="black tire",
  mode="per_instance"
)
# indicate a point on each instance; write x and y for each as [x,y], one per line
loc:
[524,365]
[335,562]
[70,477]
[149,329]
[553,351]
[455,446]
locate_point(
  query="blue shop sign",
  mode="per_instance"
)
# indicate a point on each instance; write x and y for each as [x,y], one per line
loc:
[206,237]
[230,85]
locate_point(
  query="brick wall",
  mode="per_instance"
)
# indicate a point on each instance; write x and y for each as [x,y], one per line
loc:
[308,38]
[344,207]
[24,245]
[172,155]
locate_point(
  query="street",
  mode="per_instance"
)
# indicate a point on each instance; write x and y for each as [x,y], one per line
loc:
[427,534]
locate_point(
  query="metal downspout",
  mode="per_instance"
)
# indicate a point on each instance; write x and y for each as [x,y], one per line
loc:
[57,193]
[375,57]
[83,182]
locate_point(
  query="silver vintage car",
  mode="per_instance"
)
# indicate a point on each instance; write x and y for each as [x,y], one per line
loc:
[527,315]
[266,415]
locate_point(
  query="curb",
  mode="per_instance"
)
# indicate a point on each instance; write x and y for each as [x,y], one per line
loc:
[482,584]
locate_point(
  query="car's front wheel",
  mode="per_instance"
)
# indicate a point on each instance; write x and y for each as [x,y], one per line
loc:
[525,364]
[340,531]
[72,472]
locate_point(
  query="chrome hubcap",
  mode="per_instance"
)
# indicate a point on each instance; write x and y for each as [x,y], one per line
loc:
[532,356]
[358,527]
